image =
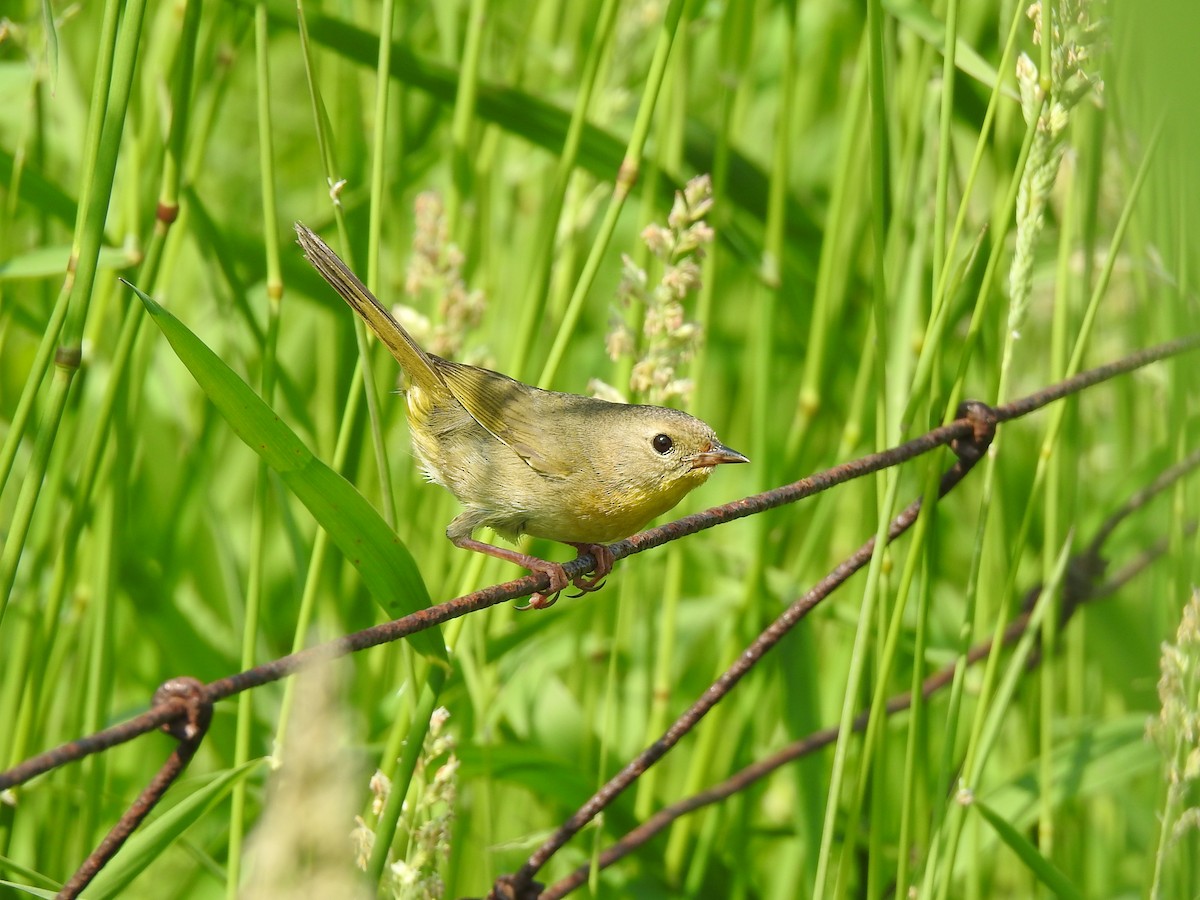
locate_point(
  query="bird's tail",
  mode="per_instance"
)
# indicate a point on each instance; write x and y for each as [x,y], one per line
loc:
[414,360]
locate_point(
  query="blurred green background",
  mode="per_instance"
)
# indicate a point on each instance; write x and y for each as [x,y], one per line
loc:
[891,235]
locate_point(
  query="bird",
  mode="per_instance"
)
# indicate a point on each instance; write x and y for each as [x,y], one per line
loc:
[522,460]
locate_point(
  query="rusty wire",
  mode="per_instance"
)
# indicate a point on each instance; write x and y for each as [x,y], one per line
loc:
[177,711]
[1082,586]
[970,434]
[187,693]
[521,886]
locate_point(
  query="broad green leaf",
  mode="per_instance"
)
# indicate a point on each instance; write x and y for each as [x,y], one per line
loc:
[153,839]
[1100,758]
[368,543]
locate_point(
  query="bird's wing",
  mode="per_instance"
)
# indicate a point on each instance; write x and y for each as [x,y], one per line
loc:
[511,412]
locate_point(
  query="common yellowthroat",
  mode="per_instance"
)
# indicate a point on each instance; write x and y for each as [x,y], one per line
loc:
[522,460]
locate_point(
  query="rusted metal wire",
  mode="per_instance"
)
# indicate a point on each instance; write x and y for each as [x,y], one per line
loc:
[171,709]
[482,599]
[189,730]
[1082,586]
[1023,406]
[974,434]
[174,711]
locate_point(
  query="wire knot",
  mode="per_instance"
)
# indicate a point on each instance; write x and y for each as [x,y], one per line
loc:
[982,419]
[514,887]
[189,696]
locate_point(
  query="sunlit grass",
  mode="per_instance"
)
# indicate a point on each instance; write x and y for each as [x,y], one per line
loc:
[138,532]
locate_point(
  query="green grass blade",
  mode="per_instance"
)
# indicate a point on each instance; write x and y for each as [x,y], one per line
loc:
[545,124]
[387,567]
[51,42]
[46,262]
[926,26]
[35,190]
[1045,871]
[26,889]
[1100,758]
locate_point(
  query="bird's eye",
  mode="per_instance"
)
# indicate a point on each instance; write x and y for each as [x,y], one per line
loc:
[663,444]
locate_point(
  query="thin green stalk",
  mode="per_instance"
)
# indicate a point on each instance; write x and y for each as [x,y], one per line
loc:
[115,387]
[947,767]
[662,677]
[245,710]
[181,114]
[98,697]
[626,178]
[67,357]
[993,711]
[832,271]
[737,45]
[724,740]
[986,291]
[363,370]
[1055,519]
[976,747]
[613,696]
[982,145]
[462,155]
[316,562]
[877,716]
[70,541]
[916,741]
[259,515]
[681,852]
[774,236]
[761,366]
[669,142]
[928,359]
[538,284]
[887,484]
[850,702]
[385,828]
[13,704]
[380,152]
[945,143]
[350,405]
[815,537]
[102,80]
[14,544]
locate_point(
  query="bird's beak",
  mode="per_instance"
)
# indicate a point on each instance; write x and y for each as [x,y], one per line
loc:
[716,454]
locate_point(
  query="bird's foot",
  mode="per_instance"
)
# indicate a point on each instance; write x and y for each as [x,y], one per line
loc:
[604,563]
[555,571]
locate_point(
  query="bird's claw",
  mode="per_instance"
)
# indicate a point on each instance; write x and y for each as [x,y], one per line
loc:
[542,600]
[559,580]
[547,598]
[586,585]
[604,564]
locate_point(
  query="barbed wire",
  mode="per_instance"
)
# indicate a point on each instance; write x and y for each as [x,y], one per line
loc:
[183,706]
[1081,586]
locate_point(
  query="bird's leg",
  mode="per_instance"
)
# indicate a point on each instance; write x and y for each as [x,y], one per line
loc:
[539,599]
[604,563]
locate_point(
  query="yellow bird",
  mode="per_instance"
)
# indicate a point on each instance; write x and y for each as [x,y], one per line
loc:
[522,460]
